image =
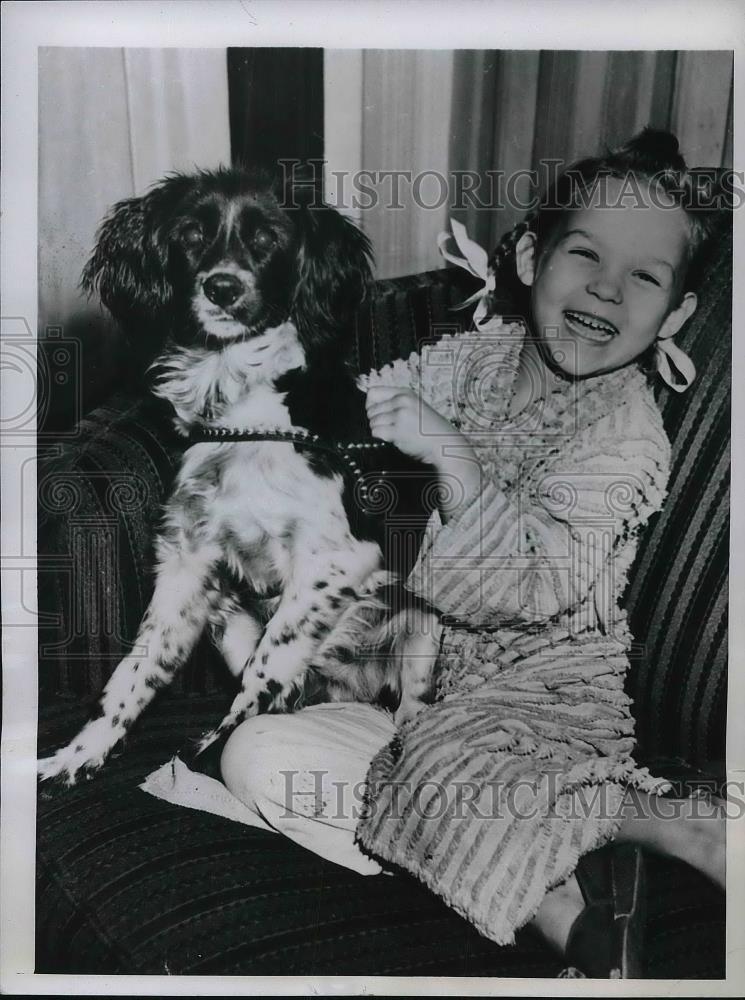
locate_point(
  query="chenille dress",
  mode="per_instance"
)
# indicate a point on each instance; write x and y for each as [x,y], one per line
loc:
[492,793]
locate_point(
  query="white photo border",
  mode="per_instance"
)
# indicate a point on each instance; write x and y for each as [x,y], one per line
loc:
[478,24]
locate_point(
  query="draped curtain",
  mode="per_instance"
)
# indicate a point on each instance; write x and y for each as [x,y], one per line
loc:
[111,122]
[406,95]
[276,104]
[393,126]
[514,110]
[473,111]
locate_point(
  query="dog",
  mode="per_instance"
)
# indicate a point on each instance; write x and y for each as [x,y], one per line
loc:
[243,292]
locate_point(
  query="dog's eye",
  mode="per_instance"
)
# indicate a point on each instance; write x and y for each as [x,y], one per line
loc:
[191,236]
[263,240]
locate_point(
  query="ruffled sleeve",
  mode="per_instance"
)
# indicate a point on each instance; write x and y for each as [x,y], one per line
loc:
[562,537]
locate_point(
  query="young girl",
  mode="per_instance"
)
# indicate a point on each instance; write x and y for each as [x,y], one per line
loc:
[552,457]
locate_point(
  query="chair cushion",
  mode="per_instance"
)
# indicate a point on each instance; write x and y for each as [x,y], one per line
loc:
[99,496]
[130,884]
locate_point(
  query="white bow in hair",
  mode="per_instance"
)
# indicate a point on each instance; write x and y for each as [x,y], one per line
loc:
[475,260]
[669,360]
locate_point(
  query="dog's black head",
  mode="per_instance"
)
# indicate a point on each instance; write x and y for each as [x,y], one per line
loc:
[223,255]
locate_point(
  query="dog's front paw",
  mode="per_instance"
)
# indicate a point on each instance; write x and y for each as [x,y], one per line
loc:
[207,740]
[84,755]
[226,727]
[68,765]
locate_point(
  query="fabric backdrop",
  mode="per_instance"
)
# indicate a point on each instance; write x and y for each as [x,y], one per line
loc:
[445,111]
[112,121]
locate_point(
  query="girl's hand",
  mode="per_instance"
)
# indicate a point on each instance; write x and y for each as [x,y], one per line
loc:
[400,417]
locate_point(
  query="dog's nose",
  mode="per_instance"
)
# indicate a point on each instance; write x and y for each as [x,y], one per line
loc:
[223,289]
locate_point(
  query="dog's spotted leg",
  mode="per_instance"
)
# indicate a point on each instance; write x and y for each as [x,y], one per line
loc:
[321,590]
[184,593]
[236,633]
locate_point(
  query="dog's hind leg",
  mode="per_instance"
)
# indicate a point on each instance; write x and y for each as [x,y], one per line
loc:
[311,604]
[185,591]
[235,633]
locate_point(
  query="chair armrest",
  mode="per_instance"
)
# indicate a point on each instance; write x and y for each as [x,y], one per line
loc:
[99,496]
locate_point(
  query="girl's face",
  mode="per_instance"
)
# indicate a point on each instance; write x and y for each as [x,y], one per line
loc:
[608,285]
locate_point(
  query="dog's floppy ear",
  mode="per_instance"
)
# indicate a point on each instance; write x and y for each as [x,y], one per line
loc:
[129,265]
[335,272]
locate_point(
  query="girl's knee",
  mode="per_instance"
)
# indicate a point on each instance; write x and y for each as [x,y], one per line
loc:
[251,758]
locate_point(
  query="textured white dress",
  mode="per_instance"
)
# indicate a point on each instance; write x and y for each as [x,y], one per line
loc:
[491,794]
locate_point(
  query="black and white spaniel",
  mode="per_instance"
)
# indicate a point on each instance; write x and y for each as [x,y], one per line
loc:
[246,293]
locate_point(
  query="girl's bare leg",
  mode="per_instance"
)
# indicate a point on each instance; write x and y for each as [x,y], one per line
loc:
[692,830]
[558,911]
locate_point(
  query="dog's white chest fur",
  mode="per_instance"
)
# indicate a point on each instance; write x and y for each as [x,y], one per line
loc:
[231,386]
[249,498]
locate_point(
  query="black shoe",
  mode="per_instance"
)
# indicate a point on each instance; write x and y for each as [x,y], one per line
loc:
[606,940]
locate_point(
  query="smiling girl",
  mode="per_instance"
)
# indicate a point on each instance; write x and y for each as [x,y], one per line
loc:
[529,555]
[552,457]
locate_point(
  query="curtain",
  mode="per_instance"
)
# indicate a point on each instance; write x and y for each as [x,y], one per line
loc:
[387,118]
[276,104]
[111,122]
[514,110]
[461,114]
[343,105]
[406,97]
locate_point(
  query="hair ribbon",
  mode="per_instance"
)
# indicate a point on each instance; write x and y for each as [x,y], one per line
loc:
[475,260]
[673,365]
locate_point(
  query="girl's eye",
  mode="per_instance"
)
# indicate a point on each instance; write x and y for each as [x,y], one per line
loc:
[646,276]
[192,236]
[584,252]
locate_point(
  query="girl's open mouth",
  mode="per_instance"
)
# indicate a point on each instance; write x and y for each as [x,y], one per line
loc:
[591,328]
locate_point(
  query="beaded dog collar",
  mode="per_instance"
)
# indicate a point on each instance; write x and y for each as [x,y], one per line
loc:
[346,452]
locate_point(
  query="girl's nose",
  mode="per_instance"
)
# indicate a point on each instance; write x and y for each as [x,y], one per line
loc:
[606,286]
